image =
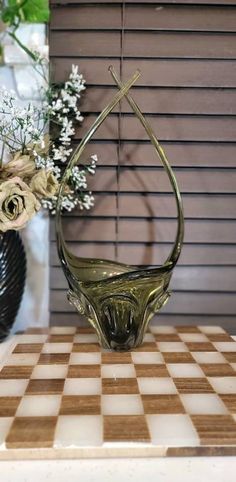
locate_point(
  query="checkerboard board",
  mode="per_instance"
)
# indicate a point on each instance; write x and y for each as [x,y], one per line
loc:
[61,395]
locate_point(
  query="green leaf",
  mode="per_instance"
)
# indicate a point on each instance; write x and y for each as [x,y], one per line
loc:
[33,11]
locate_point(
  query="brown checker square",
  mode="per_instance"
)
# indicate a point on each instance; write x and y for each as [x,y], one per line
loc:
[147,346]
[187,329]
[230,356]
[80,405]
[84,371]
[200,346]
[37,331]
[181,357]
[219,337]
[230,401]
[85,329]
[193,385]
[54,358]
[116,357]
[114,386]
[217,369]
[149,370]
[16,371]
[60,339]
[8,406]
[162,404]
[28,348]
[45,386]
[125,428]
[215,429]
[167,337]
[85,347]
[27,432]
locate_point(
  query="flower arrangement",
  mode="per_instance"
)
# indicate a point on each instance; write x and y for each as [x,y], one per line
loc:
[32,162]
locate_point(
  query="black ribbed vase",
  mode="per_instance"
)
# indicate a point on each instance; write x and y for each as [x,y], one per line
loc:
[12,279]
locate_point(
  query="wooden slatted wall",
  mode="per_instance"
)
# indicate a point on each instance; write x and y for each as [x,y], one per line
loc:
[187,55]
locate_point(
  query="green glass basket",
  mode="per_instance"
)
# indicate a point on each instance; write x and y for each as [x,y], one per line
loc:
[118,300]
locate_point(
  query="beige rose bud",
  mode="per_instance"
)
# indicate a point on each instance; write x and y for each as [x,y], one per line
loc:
[20,165]
[44,184]
[17,204]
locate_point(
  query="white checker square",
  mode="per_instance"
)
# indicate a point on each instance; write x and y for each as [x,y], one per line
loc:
[172,346]
[208,357]
[86,338]
[233,365]
[13,388]
[203,404]
[5,424]
[225,346]
[57,348]
[40,406]
[185,370]
[172,430]
[156,386]
[211,330]
[37,338]
[118,371]
[193,337]
[78,430]
[85,358]
[49,371]
[62,330]
[148,357]
[82,386]
[121,405]
[163,330]
[22,359]
[224,385]
[148,337]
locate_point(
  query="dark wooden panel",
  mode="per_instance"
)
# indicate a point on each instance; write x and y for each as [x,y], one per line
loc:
[184,278]
[196,231]
[179,303]
[156,180]
[86,17]
[152,254]
[167,128]
[190,2]
[173,73]
[181,45]
[151,17]
[154,205]
[186,154]
[165,101]
[168,17]
[158,44]
[85,44]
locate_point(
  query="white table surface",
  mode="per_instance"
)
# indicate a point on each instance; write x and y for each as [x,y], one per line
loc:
[169,469]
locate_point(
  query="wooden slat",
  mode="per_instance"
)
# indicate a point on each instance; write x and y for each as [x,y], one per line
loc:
[179,303]
[154,17]
[222,279]
[188,2]
[156,180]
[186,154]
[154,205]
[152,254]
[165,101]
[168,73]
[158,44]
[145,231]
[167,128]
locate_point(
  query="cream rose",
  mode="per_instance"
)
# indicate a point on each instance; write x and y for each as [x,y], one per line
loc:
[17,204]
[21,165]
[44,184]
